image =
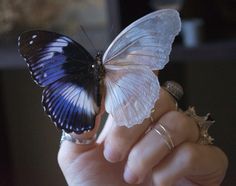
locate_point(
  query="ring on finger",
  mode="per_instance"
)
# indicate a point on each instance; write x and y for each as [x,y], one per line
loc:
[76,140]
[163,132]
[175,90]
[203,123]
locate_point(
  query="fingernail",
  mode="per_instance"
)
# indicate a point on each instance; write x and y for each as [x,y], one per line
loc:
[130,177]
[111,155]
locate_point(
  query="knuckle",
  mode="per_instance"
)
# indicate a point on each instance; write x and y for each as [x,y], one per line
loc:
[182,125]
[190,153]
[181,119]
[173,115]
[177,121]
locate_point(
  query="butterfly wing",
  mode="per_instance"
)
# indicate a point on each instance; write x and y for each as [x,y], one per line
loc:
[51,56]
[70,103]
[64,68]
[146,43]
[131,92]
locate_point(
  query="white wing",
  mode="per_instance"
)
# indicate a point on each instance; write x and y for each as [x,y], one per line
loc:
[146,41]
[145,45]
[131,92]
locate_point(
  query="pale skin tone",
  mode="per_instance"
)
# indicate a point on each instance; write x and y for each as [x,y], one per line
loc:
[131,156]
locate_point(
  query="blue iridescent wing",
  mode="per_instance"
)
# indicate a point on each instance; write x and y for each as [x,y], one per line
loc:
[70,102]
[64,68]
[51,56]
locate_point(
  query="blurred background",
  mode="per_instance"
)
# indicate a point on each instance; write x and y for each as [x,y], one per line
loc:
[203,60]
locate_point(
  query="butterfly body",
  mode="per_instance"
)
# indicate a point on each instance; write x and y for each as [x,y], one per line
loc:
[99,67]
[73,80]
[98,71]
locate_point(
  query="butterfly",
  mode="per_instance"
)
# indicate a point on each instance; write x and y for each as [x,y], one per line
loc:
[72,79]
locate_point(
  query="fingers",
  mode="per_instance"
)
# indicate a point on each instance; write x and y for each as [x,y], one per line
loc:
[204,164]
[119,140]
[152,148]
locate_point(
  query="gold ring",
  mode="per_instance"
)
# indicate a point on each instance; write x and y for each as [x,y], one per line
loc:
[203,123]
[163,132]
[174,89]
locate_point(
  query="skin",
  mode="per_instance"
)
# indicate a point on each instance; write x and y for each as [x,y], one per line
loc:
[132,156]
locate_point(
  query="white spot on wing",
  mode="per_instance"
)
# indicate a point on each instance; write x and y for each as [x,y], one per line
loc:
[83,101]
[59,42]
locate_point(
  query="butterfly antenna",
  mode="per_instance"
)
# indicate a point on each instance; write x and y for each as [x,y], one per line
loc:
[86,35]
[112,29]
[110,37]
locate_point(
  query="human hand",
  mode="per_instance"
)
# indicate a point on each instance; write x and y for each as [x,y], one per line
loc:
[123,156]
